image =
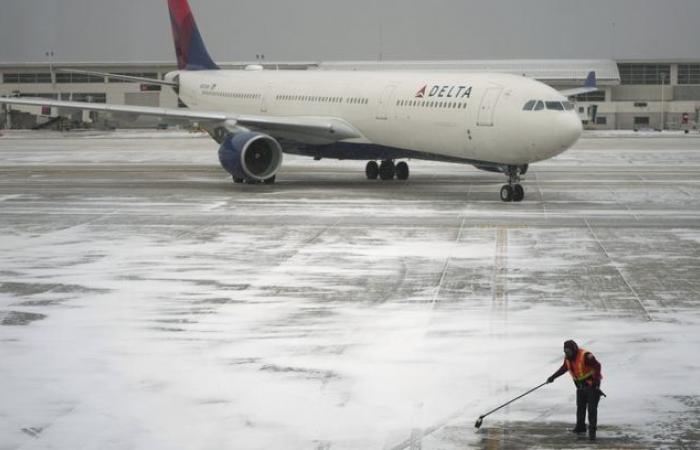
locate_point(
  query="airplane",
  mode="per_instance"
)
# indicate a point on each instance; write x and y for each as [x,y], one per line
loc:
[493,121]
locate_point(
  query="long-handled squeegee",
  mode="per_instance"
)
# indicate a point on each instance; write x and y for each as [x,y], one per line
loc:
[480,420]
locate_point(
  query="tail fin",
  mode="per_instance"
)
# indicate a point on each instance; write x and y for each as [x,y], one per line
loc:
[189,46]
[591,80]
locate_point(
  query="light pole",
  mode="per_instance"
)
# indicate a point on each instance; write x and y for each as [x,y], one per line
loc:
[49,55]
[663,78]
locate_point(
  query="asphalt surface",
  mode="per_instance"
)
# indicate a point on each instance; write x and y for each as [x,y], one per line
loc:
[148,302]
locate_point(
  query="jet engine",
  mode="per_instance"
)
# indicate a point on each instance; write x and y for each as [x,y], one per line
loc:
[251,156]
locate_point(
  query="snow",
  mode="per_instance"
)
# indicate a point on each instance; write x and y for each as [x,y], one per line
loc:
[177,313]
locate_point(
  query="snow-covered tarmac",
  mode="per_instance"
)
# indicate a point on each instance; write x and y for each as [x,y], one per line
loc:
[148,303]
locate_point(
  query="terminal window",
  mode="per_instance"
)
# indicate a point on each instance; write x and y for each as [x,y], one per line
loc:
[26,78]
[46,95]
[597,96]
[78,78]
[90,98]
[689,74]
[645,73]
[641,122]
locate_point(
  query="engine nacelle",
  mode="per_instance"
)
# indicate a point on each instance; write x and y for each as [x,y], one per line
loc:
[500,169]
[489,168]
[251,156]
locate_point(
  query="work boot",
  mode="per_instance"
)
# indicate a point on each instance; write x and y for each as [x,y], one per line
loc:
[591,434]
[578,429]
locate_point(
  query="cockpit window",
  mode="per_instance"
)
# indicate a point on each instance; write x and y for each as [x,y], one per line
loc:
[529,105]
[568,106]
[555,106]
[539,106]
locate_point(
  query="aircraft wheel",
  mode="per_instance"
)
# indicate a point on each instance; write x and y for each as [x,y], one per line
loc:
[270,180]
[251,181]
[387,170]
[507,193]
[372,170]
[518,193]
[237,180]
[402,171]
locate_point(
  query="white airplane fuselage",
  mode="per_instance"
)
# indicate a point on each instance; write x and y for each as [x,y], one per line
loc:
[474,117]
[496,122]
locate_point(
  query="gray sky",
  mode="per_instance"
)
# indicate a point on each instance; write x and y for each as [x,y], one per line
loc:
[139,30]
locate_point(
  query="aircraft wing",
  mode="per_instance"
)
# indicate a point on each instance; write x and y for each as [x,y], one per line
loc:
[115,76]
[591,85]
[326,128]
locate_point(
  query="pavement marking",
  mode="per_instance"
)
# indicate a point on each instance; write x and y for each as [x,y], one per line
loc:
[414,442]
[499,282]
[438,288]
[196,231]
[626,204]
[685,191]
[416,439]
[646,313]
[401,279]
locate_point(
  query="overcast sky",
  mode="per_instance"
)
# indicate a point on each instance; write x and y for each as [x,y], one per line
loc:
[234,30]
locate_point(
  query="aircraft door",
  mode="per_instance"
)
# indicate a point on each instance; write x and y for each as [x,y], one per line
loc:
[385,102]
[487,108]
[264,99]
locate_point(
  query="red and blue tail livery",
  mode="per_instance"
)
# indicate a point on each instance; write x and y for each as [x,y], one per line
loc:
[189,46]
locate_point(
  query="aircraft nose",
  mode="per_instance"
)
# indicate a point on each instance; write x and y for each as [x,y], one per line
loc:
[556,135]
[570,130]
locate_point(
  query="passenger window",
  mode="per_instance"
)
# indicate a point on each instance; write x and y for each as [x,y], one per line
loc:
[539,106]
[555,106]
[529,105]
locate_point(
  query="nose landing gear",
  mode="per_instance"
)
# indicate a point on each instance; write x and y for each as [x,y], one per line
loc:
[513,191]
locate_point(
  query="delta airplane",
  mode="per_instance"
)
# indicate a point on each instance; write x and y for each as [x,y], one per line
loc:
[494,121]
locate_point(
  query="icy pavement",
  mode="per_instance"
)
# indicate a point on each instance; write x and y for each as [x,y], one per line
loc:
[148,303]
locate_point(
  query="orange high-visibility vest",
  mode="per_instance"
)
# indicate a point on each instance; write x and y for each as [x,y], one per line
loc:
[578,369]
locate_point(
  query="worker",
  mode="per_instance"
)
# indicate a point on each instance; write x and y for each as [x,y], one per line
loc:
[585,370]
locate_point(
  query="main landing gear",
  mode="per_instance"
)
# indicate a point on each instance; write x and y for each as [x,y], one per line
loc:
[513,191]
[270,180]
[387,170]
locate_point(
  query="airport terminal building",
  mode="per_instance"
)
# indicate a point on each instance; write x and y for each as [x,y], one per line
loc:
[633,94]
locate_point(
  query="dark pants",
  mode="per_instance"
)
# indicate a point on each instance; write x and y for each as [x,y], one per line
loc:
[587,399]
